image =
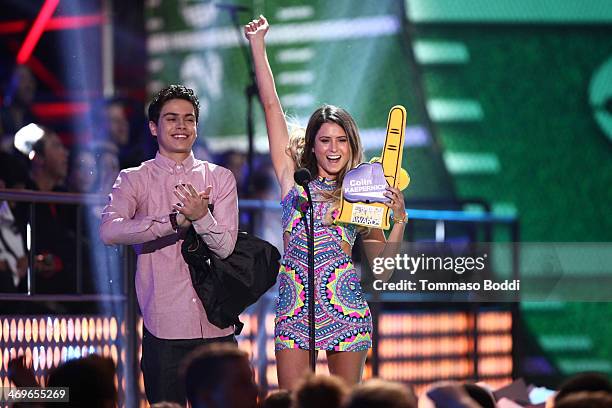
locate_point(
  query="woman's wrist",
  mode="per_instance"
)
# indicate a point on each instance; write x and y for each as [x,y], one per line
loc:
[400,218]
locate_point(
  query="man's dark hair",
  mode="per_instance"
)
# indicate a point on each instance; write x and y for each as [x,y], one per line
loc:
[277,399]
[90,380]
[320,391]
[483,397]
[379,393]
[172,92]
[585,399]
[204,368]
[590,381]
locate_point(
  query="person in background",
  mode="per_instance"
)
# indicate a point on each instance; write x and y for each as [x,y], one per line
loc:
[320,391]
[114,131]
[219,376]
[53,240]
[379,393]
[13,254]
[16,111]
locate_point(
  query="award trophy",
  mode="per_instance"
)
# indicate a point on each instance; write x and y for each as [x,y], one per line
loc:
[362,200]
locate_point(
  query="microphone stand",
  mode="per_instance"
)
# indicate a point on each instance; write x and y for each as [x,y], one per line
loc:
[311,283]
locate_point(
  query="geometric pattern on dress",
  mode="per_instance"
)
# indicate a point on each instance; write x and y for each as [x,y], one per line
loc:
[342,317]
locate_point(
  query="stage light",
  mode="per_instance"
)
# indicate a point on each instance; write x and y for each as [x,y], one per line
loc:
[36,31]
[70,329]
[35,358]
[28,330]
[113,329]
[494,366]
[114,354]
[63,330]
[98,329]
[42,330]
[49,333]
[20,330]
[56,330]
[84,329]
[49,355]
[56,356]
[495,343]
[495,321]
[13,330]
[92,329]
[106,329]
[34,330]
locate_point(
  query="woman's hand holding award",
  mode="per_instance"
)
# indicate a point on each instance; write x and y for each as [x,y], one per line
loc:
[363,188]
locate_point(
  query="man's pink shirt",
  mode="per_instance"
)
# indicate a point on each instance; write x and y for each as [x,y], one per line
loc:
[137,214]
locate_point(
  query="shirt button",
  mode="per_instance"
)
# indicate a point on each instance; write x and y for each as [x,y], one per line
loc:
[193,300]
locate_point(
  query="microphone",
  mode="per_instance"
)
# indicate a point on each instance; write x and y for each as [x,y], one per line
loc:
[232,8]
[302,177]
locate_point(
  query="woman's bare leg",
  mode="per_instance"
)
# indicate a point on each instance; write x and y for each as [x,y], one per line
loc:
[291,366]
[347,365]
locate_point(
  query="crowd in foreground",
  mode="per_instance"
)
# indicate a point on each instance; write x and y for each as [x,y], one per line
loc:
[221,376]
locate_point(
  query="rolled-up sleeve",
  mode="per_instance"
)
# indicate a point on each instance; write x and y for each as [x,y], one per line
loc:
[118,223]
[219,229]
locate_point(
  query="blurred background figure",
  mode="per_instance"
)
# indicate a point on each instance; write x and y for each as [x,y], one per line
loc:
[107,159]
[219,376]
[235,161]
[265,224]
[90,380]
[379,393]
[53,241]
[84,171]
[278,399]
[112,128]
[16,110]
[13,255]
[320,391]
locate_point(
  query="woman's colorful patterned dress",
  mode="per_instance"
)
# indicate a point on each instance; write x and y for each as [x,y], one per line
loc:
[342,317]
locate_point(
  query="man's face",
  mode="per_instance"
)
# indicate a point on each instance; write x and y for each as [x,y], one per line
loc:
[175,129]
[55,157]
[84,171]
[118,125]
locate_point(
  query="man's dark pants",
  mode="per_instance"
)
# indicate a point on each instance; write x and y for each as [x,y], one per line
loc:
[160,364]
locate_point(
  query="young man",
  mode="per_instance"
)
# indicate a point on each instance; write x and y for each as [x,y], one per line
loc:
[150,207]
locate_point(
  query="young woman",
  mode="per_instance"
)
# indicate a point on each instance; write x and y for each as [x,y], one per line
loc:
[331,147]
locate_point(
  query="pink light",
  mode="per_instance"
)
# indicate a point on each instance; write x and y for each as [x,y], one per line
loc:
[57,23]
[36,31]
